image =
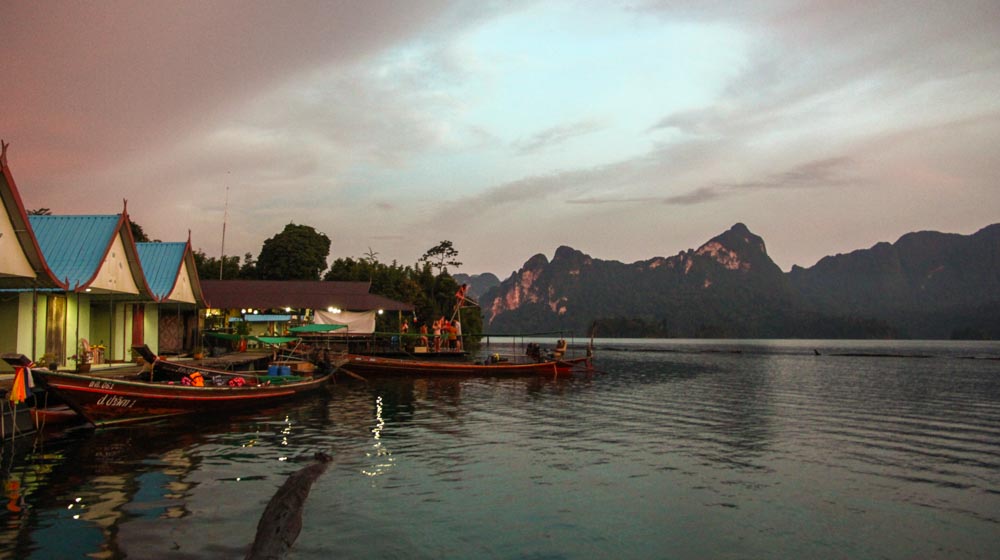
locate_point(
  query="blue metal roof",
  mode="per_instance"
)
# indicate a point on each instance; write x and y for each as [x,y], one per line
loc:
[261,318]
[74,246]
[160,263]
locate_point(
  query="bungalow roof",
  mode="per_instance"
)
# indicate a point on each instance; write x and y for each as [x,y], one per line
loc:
[171,272]
[22,265]
[92,253]
[296,294]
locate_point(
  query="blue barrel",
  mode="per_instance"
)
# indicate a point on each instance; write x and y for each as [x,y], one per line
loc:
[274,369]
[286,370]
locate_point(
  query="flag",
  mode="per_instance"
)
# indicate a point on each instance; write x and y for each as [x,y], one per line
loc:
[22,385]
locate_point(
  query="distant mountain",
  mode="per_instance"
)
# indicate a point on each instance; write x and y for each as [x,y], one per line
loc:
[479,284]
[927,284]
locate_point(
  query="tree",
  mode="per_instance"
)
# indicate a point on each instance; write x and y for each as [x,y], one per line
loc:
[208,267]
[415,285]
[441,256]
[137,233]
[297,253]
[248,270]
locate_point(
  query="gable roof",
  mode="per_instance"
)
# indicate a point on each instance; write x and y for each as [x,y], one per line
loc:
[296,294]
[21,262]
[92,253]
[171,272]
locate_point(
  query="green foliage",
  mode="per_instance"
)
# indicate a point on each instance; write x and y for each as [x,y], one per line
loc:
[208,267]
[248,270]
[432,295]
[441,256]
[137,233]
[297,253]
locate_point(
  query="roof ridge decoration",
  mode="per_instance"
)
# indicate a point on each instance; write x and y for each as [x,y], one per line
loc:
[26,242]
[170,271]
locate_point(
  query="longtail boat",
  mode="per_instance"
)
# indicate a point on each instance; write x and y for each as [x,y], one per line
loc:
[377,365]
[532,362]
[170,389]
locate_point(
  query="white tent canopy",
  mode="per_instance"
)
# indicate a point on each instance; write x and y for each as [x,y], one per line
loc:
[357,322]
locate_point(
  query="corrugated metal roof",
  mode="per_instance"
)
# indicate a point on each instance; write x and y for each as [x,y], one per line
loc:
[261,318]
[160,263]
[297,294]
[11,199]
[74,246]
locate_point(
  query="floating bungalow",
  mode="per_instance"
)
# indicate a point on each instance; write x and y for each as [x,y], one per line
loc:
[173,278]
[78,290]
[74,291]
[271,307]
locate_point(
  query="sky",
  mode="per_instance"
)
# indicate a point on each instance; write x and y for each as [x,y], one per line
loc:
[625,129]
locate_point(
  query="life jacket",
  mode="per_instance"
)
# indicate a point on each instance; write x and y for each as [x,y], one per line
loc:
[196,379]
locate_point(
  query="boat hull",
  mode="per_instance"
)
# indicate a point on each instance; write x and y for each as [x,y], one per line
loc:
[15,421]
[105,400]
[374,365]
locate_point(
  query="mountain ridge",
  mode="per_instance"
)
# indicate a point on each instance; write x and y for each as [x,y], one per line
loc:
[926,284]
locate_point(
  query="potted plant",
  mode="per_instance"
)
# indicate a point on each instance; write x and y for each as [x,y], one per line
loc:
[49,360]
[83,357]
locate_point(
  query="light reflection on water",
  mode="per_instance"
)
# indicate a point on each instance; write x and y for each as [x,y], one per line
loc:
[683,449]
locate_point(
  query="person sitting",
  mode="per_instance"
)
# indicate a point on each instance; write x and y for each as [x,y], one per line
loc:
[560,350]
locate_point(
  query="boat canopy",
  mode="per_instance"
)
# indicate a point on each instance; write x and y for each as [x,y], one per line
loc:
[315,328]
[275,339]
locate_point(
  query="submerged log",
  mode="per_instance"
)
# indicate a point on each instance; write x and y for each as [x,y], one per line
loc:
[281,522]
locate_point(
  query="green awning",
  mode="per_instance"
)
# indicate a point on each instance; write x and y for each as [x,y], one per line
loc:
[275,339]
[313,328]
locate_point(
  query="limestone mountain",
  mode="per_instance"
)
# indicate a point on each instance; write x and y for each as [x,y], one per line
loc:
[478,283]
[927,284]
[726,287]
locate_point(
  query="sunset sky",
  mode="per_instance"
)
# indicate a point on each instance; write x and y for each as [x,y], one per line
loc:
[624,129]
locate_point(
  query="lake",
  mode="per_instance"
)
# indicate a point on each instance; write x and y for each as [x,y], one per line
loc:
[671,449]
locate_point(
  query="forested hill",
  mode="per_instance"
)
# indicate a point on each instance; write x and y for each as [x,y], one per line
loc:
[926,285]
[478,284]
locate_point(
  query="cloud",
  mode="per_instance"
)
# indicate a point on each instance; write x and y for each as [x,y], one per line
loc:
[395,122]
[554,136]
[99,83]
[824,173]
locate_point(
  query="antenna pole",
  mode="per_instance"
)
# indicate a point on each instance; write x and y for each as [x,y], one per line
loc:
[225,217]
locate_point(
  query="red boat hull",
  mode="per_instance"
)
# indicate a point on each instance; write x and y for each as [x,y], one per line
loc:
[105,400]
[374,365]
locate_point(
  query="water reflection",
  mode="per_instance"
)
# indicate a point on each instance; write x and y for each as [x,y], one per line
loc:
[76,490]
[770,453]
[380,456]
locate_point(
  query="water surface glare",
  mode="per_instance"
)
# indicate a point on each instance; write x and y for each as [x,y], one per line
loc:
[672,449]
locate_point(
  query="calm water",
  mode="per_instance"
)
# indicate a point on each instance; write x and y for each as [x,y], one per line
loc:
[674,449]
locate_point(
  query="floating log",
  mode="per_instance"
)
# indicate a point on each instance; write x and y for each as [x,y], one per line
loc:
[281,522]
